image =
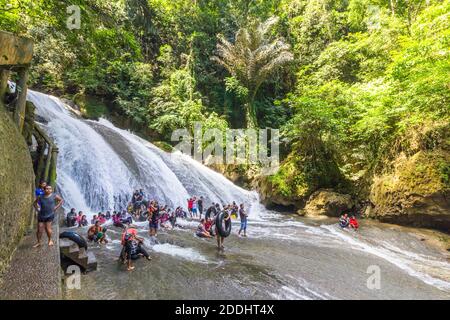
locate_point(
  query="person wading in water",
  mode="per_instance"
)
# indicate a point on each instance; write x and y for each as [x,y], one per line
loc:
[243,215]
[46,205]
[220,239]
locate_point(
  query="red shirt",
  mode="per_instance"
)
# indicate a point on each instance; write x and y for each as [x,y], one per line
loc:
[208,225]
[190,204]
[131,231]
[354,223]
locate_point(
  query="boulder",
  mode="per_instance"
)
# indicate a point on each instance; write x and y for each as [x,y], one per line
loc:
[328,203]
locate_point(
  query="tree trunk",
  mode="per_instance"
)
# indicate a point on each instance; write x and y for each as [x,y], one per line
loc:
[252,122]
[392,5]
[250,116]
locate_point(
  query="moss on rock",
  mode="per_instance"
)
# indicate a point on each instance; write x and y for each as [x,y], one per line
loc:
[16,187]
[416,192]
[298,177]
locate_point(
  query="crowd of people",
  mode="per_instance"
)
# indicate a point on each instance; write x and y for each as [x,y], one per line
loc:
[157,215]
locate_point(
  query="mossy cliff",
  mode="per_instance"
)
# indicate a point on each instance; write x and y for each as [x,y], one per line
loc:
[16,187]
[415,192]
[298,177]
[409,185]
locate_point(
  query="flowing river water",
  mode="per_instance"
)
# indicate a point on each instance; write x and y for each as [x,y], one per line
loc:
[284,256]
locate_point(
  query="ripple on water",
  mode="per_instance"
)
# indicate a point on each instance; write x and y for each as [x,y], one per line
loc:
[411,263]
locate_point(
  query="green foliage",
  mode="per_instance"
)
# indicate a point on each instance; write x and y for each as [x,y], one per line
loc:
[366,72]
[252,58]
[175,102]
[233,85]
[357,98]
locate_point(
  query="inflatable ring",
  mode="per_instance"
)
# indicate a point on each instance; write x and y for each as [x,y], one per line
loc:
[223,226]
[75,237]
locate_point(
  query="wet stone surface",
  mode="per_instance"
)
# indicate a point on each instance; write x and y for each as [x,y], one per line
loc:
[34,273]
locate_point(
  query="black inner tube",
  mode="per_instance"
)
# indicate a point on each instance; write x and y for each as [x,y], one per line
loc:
[75,237]
[223,226]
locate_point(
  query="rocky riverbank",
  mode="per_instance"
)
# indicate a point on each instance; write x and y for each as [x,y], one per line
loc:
[410,186]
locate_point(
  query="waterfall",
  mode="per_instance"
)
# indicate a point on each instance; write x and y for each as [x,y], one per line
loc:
[99,165]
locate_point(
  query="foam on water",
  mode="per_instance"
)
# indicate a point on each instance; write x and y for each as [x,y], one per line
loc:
[184,253]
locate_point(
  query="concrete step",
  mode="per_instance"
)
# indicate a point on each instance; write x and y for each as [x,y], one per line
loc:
[92,262]
[78,255]
[77,250]
[67,247]
[80,259]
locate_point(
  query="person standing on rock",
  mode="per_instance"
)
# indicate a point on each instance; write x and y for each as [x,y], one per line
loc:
[46,206]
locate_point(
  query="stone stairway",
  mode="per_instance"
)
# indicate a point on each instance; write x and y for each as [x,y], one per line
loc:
[70,250]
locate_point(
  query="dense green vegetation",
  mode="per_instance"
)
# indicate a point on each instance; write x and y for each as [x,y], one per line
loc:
[346,81]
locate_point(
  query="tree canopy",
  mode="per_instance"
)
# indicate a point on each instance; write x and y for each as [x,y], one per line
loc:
[345,81]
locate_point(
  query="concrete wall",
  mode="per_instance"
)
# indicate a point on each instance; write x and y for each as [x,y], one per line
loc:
[16,187]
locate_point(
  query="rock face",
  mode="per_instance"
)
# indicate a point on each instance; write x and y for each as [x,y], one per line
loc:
[327,202]
[272,198]
[16,187]
[415,193]
[242,175]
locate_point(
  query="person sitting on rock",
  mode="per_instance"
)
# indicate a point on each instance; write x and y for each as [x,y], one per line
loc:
[129,230]
[180,213]
[101,218]
[353,223]
[97,233]
[71,218]
[79,216]
[344,221]
[130,208]
[209,226]
[201,230]
[126,218]
[133,250]
[83,221]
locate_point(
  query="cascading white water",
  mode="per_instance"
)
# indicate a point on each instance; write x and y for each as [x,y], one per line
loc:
[99,165]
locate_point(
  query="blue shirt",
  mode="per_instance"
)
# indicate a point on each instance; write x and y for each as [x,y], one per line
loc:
[39,192]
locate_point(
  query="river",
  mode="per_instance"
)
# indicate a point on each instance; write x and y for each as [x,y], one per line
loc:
[284,256]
